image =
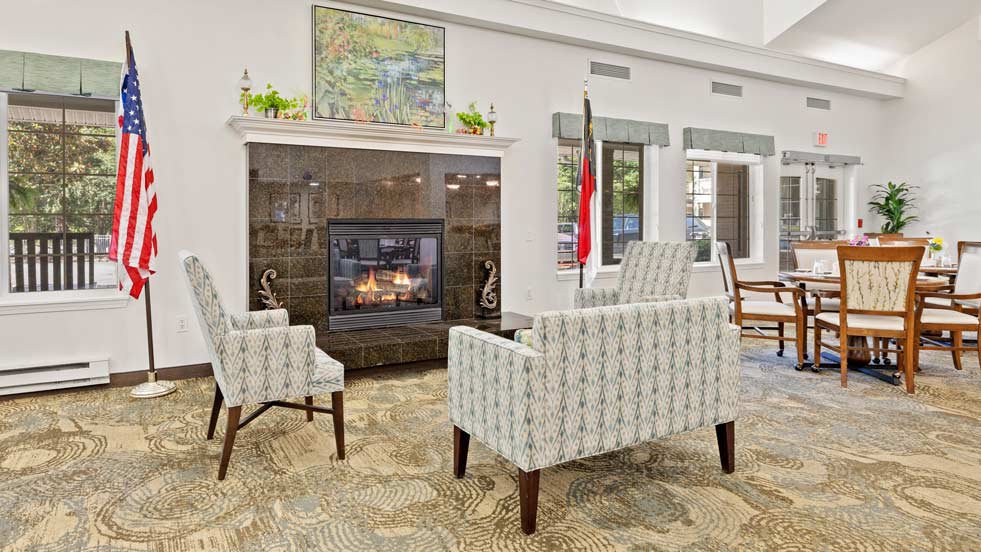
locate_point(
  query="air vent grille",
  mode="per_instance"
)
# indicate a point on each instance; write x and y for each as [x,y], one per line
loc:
[818,103]
[727,89]
[601,69]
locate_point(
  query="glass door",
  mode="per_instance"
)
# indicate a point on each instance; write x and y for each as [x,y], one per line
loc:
[810,206]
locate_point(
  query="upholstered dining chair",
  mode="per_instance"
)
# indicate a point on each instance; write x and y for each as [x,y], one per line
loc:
[878,289]
[805,254]
[258,358]
[955,309]
[649,271]
[751,311]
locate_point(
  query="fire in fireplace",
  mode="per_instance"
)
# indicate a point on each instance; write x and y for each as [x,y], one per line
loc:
[384,273]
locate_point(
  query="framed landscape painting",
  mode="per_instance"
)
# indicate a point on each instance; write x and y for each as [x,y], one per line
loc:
[376,69]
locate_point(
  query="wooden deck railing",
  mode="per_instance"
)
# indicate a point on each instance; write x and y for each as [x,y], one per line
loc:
[47,261]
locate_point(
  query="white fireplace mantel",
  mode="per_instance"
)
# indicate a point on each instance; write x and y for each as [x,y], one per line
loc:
[341,134]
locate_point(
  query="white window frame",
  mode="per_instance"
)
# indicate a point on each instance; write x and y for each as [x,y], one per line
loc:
[756,202]
[651,221]
[29,302]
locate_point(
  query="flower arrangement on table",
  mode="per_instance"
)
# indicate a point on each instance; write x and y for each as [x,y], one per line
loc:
[861,241]
[936,245]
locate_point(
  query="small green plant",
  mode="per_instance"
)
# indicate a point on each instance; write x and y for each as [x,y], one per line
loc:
[272,100]
[472,119]
[894,203]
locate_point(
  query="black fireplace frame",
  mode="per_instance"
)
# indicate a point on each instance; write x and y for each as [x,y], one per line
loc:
[381,229]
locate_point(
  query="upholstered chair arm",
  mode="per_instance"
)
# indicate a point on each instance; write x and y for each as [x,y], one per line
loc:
[256,320]
[496,392]
[268,364]
[596,297]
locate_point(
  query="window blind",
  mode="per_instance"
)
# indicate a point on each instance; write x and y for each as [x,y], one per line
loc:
[58,74]
[724,140]
[607,129]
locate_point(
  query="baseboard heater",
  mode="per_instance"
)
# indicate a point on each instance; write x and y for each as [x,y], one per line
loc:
[41,376]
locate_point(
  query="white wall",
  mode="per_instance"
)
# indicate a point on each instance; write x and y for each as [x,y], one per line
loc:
[191,55]
[931,139]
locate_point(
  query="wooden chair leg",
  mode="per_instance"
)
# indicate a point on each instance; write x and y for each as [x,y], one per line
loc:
[801,341]
[843,350]
[234,413]
[309,402]
[337,404]
[461,446]
[528,498]
[817,347]
[909,363]
[725,434]
[780,331]
[958,340]
[215,410]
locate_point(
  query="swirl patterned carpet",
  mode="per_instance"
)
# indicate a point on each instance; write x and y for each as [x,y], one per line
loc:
[818,468]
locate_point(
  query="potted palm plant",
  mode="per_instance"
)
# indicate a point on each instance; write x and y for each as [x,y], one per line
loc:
[895,204]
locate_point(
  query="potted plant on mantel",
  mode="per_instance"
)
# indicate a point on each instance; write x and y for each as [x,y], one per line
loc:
[895,204]
[473,122]
[275,106]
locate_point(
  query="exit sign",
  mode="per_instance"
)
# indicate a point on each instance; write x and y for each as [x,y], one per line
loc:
[821,139]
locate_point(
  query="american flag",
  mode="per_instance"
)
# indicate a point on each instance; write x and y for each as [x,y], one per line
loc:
[134,242]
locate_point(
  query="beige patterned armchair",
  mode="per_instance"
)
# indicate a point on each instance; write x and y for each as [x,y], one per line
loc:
[596,380]
[650,271]
[258,358]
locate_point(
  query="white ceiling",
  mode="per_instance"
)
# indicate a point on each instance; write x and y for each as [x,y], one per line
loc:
[873,34]
[868,34]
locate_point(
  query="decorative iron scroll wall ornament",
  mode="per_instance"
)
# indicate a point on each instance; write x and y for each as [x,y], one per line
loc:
[266,295]
[488,297]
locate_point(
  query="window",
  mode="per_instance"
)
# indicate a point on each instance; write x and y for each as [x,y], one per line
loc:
[622,189]
[719,205]
[568,212]
[60,187]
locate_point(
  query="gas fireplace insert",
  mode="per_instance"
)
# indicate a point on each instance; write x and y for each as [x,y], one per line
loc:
[384,273]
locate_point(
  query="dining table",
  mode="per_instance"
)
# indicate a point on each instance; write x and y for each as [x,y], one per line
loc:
[859,356]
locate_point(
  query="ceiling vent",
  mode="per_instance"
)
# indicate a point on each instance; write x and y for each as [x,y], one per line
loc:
[727,89]
[818,103]
[600,69]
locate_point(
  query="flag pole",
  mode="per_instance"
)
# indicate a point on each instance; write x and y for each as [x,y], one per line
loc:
[152,387]
[582,153]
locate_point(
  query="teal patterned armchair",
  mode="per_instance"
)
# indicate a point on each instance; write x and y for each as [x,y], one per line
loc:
[649,271]
[258,358]
[596,380]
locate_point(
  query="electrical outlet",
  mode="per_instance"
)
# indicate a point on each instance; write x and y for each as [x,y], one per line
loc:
[181,324]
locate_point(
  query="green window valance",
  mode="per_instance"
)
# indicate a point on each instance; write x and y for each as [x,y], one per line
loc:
[59,74]
[723,140]
[608,129]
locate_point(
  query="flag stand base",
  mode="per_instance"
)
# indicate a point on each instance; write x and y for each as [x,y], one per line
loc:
[153,388]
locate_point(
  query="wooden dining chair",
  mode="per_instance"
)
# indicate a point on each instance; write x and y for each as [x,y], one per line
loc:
[878,292]
[955,309]
[805,254]
[743,311]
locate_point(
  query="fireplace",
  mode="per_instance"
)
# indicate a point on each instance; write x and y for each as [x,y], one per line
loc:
[384,273]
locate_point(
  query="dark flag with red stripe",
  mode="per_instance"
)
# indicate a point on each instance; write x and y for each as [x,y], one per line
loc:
[586,181]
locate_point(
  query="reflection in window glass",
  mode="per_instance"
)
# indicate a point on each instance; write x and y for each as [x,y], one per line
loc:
[568,213]
[623,185]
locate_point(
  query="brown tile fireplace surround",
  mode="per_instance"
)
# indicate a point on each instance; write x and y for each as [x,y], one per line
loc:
[295,190]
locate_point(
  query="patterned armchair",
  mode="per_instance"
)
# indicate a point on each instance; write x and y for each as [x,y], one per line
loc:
[597,380]
[650,271]
[258,358]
